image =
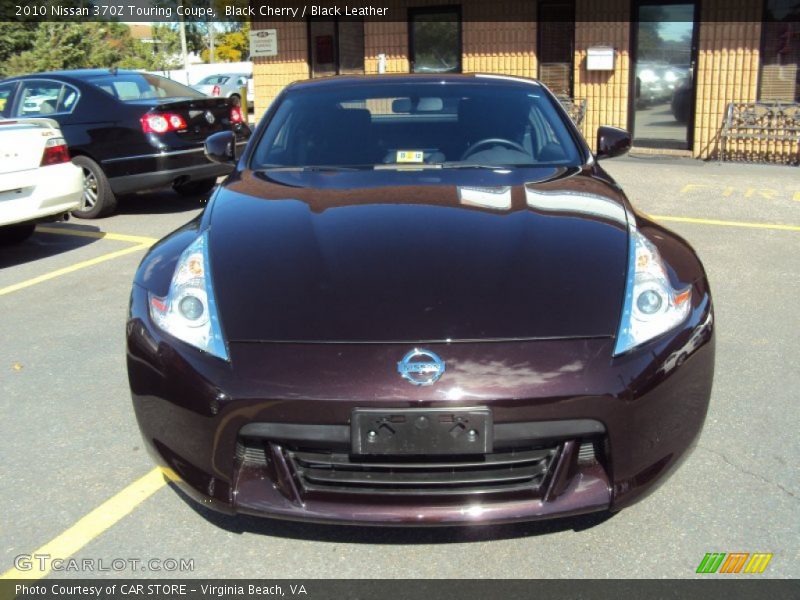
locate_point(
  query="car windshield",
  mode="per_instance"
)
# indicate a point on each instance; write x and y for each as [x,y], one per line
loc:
[142,86]
[425,125]
[214,80]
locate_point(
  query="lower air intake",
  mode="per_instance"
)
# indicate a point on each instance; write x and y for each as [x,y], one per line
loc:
[503,472]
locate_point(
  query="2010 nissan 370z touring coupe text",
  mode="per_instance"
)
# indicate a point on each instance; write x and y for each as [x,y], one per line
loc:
[419,300]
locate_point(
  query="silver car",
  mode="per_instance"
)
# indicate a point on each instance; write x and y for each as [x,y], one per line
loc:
[227,85]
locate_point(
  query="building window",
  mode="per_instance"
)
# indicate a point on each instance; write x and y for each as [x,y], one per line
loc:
[556,44]
[435,39]
[780,52]
[336,47]
[351,47]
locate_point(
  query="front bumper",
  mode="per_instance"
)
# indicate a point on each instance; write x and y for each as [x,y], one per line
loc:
[238,436]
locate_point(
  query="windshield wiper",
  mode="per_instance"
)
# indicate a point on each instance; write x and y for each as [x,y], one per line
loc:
[466,165]
[439,165]
[311,168]
[392,166]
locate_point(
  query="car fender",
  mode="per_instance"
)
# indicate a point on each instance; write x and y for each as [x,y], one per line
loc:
[158,265]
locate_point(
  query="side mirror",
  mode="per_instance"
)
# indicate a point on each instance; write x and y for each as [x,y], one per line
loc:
[611,142]
[221,147]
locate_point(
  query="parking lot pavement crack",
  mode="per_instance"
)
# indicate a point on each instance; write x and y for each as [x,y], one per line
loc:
[746,472]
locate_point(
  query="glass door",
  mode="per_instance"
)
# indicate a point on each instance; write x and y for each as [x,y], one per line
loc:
[664,65]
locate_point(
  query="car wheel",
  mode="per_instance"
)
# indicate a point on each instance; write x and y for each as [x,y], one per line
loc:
[196,187]
[98,199]
[14,234]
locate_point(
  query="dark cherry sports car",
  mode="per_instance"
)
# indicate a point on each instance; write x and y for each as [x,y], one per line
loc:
[419,300]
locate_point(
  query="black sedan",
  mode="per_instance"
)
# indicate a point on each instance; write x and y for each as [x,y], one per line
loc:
[128,131]
[420,300]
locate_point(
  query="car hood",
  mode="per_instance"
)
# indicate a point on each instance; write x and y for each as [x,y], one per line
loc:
[375,256]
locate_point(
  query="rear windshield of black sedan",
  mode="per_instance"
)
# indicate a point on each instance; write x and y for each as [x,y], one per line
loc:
[142,86]
[430,124]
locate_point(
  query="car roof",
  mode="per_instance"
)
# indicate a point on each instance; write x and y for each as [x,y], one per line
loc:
[225,74]
[76,74]
[405,78]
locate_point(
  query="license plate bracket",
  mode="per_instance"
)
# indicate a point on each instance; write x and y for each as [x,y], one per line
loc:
[421,431]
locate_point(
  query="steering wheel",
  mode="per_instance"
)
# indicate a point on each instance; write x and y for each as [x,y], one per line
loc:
[502,141]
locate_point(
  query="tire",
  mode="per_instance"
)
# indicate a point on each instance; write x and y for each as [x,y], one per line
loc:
[99,199]
[196,187]
[15,234]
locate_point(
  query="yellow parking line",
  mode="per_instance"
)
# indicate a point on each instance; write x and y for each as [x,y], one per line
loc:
[77,266]
[776,226]
[104,235]
[92,525]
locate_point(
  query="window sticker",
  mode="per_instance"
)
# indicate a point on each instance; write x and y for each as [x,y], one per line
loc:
[410,156]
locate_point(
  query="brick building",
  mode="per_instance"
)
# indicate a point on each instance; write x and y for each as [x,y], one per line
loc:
[663,69]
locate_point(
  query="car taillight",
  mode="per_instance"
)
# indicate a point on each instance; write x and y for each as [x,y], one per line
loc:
[55,152]
[236,114]
[215,90]
[162,123]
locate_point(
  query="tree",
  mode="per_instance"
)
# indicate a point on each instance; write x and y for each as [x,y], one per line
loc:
[80,45]
[19,35]
[231,46]
[167,47]
[15,38]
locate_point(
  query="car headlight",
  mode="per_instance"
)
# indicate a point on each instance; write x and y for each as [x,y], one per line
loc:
[189,311]
[652,306]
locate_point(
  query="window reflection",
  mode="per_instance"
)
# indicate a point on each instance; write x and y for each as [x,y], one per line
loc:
[498,198]
[580,204]
[663,86]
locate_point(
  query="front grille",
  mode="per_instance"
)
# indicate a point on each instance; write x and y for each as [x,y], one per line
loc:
[522,470]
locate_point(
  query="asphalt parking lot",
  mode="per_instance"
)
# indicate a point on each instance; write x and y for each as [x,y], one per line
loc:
[77,482]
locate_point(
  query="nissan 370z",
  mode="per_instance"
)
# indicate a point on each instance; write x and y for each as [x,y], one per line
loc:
[419,300]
